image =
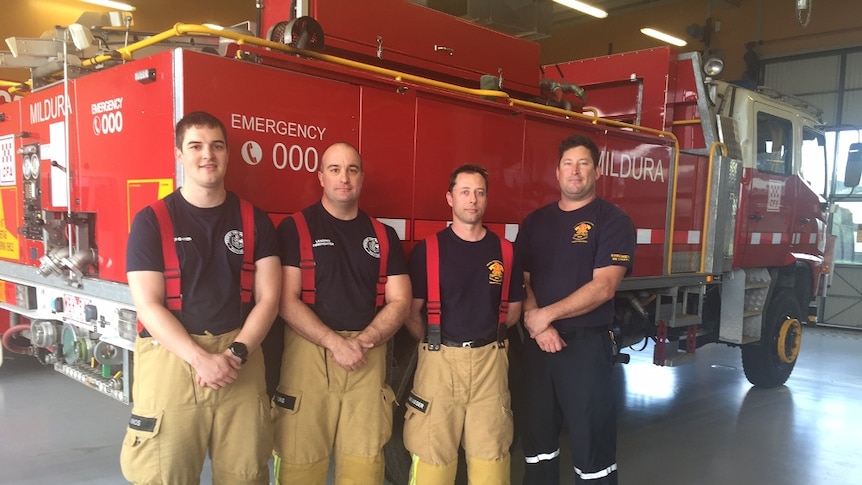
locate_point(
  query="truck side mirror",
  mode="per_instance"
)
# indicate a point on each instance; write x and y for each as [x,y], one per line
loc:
[854,165]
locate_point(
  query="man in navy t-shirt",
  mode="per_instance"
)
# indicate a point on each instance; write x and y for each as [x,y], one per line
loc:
[574,253]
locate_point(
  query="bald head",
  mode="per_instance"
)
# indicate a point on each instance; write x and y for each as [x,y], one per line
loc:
[341,178]
[341,151]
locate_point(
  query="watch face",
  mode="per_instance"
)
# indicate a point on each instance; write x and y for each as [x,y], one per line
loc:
[240,350]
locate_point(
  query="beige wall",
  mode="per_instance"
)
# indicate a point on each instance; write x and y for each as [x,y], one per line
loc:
[834,23]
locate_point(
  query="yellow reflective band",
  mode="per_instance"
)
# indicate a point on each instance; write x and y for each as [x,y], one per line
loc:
[414,464]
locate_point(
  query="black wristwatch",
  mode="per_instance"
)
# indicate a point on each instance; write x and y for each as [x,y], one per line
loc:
[240,350]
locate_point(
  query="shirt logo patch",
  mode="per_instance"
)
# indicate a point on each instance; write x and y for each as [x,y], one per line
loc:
[322,242]
[372,247]
[582,232]
[234,241]
[620,258]
[495,277]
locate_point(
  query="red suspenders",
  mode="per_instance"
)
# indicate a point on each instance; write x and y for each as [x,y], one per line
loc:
[432,256]
[173,287]
[432,265]
[246,274]
[307,264]
[306,258]
[173,291]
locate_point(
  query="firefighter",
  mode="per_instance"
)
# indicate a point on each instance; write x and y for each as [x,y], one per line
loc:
[575,253]
[199,373]
[337,264]
[466,274]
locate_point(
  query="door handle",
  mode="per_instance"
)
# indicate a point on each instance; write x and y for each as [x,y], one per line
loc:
[756,217]
[438,48]
[804,220]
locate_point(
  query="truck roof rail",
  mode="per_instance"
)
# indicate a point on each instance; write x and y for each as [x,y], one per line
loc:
[792,100]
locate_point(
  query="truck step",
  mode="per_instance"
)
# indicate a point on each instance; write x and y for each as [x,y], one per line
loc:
[743,300]
[684,320]
[676,307]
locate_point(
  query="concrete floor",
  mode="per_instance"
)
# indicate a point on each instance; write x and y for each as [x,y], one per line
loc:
[697,424]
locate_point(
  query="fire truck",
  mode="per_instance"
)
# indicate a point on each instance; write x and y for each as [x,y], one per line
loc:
[731,238]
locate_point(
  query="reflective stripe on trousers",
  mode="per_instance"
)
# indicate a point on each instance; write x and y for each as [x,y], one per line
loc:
[543,457]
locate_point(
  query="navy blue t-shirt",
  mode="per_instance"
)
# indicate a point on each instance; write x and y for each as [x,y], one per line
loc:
[560,249]
[470,284]
[209,248]
[347,262]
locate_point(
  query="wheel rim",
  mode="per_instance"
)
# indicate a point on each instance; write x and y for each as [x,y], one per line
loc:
[789,340]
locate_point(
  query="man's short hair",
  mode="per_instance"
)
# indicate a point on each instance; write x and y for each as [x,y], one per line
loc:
[197,119]
[468,168]
[580,141]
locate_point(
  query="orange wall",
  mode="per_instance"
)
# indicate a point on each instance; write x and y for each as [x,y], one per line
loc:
[30,18]
[834,23]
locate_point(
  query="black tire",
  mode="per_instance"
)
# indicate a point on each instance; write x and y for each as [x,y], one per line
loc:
[762,362]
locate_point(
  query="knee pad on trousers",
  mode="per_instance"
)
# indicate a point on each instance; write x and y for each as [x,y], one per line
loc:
[422,473]
[358,470]
[489,472]
[305,474]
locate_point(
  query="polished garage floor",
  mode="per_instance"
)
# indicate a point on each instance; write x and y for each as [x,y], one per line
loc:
[699,424]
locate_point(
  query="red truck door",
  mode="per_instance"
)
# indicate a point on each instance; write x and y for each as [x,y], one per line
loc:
[769,192]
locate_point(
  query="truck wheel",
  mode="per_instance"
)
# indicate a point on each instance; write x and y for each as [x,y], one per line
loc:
[769,362]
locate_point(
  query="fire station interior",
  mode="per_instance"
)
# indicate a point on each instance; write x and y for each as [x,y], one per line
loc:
[698,421]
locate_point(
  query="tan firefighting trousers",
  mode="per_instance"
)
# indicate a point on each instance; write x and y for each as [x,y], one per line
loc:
[460,395]
[174,421]
[319,406]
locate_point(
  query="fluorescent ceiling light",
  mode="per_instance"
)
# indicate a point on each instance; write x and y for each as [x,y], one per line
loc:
[111,4]
[583,7]
[214,26]
[657,34]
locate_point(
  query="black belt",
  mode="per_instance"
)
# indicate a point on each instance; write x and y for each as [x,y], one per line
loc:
[470,344]
[581,332]
[145,334]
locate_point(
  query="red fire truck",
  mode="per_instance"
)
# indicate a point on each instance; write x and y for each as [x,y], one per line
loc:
[731,239]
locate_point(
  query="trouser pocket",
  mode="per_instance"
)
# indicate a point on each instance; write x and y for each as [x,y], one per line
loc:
[417,428]
[139,457]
